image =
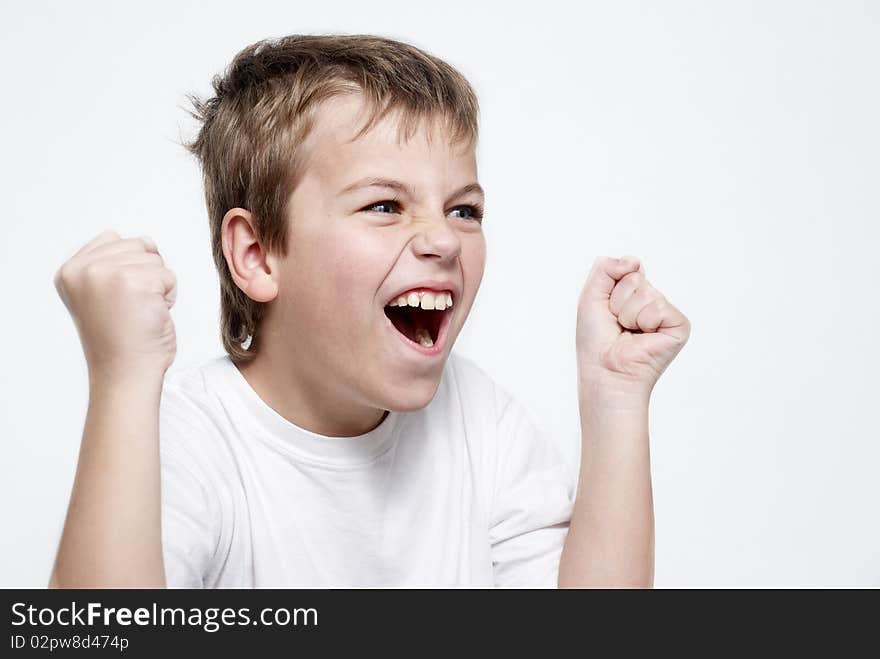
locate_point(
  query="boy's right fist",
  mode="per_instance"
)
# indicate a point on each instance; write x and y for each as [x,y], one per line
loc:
[119,294]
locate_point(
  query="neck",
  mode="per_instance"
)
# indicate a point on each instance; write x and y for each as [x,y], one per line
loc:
[309,402]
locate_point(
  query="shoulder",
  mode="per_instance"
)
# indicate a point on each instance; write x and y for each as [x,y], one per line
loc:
[194,380]
[479,388]
[468,382]
[187,411]
[465,371]
[486,405]
[188,390]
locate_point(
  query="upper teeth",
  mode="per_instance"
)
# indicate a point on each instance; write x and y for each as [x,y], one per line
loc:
[424,299]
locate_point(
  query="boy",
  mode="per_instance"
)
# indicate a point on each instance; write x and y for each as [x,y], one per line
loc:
[339,442]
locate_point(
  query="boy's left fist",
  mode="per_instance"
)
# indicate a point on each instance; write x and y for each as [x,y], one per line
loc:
[627,331]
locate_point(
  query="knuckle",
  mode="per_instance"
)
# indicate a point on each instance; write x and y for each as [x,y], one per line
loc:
[92,271]
[58,282]
[129,277]
[62,274]
[644,296]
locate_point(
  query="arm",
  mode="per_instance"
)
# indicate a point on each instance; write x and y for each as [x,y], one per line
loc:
[611,536]
[627,335]
[119,294]
[112,534]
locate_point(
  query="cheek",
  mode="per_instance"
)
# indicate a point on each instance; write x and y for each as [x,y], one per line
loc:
[355,262]
[473,260]
[347,270]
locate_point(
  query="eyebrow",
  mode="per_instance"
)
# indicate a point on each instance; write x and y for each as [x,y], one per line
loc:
[399,186]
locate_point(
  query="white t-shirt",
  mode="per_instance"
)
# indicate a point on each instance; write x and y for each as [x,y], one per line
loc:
[464,492]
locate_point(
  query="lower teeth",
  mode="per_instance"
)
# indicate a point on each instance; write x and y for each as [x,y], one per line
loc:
[424,337]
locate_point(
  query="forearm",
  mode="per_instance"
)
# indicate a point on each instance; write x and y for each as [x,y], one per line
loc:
[112,533]
[610,540]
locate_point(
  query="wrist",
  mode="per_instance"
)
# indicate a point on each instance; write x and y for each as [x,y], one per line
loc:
[125,374]
[610,418]
[598,392]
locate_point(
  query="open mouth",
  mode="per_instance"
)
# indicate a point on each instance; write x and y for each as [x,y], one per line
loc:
[419,325]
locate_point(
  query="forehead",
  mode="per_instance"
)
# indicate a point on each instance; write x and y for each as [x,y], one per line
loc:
[335,158]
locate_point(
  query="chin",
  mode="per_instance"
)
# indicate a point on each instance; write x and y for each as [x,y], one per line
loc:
[411,396]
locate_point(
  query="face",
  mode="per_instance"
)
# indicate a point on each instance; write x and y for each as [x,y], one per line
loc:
[353,248]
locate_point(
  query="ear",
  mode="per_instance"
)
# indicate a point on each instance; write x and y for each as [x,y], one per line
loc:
[252,269]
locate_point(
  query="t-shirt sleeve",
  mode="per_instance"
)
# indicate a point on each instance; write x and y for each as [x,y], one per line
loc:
[190,510]
[533,501]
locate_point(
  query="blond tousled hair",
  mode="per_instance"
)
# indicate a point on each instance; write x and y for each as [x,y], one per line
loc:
[264,107]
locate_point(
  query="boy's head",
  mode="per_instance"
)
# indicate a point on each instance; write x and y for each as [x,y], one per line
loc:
[309,255]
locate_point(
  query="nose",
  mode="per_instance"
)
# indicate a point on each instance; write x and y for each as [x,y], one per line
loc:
[436,238]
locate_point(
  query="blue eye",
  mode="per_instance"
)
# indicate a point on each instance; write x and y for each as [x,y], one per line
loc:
[476,212]
[382,203]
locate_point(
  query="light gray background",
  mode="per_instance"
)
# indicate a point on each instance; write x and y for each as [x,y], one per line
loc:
[733,146]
